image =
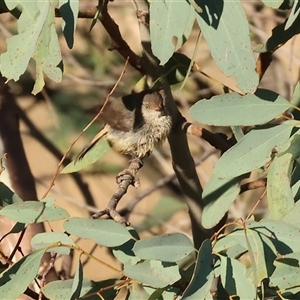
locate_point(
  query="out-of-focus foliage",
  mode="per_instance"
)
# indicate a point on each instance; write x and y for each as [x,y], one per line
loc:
[256,259]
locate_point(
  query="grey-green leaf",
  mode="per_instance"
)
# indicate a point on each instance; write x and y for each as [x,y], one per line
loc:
[226,30]
[154,273]
[49,239]
[236,110]
[234,280]
[218,195]
[280,197]
[200,284]
[15,280]
[34,212]
[170,26]
[171,247]
[94,154]
[104,232]
[253,151]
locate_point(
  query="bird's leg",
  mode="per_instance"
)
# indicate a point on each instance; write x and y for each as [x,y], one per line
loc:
[124,180]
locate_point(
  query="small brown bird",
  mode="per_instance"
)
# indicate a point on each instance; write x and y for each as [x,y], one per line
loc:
[135,123]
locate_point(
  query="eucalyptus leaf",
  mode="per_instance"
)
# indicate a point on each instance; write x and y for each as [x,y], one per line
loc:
[234,109]
[94,154]
[104,232]
[253,151]
[170,248]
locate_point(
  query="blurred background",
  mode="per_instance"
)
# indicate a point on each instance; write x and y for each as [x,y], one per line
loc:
[52,120]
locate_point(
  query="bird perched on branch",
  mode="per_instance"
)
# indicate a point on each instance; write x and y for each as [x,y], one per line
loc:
[135,123]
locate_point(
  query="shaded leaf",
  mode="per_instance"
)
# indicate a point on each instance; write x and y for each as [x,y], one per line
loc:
[234,280]
[218,195]
[77,282]
[104,232]
[234,109]
[69,12]
[7,196]
[200,284]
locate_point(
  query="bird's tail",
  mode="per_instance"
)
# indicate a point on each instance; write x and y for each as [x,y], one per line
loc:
[92,143]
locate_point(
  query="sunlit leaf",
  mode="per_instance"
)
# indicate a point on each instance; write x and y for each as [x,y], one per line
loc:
[15,280]
[104,232]
[34,212]
[225,28]
[37,38]
[235,110]
[170,25]
[94,154]
[253,151]
[171,247]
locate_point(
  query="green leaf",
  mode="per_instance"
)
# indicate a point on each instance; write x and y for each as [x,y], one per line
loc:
[285,237]
[62,289]
[37,39]
[225,28]
[77,282]
[280,197]
[124,252]
[104,232]
[170,26]
[261,245]
[200,284]
[94,154]
[292,217]
[286,274]
[169,248]
[218,195]
[157,274]
[34,212]
[49,239]
[69,13]
[273,3]
[15,280]
[7,196]
[253,151]
[234,280]
[235,110]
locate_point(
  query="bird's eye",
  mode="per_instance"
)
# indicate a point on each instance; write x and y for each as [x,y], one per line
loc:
[147,106]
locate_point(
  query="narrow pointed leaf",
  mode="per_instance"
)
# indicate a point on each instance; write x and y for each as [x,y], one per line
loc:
[200,284]
[99,150]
